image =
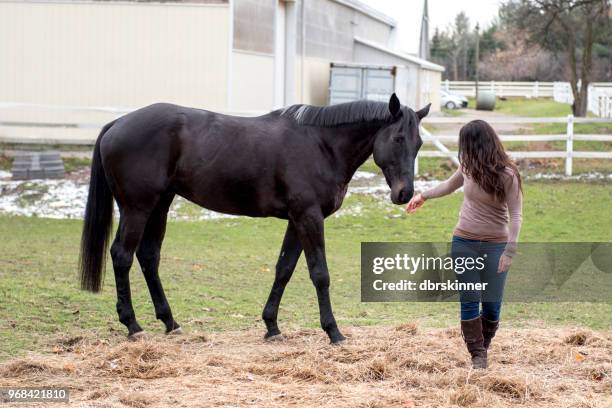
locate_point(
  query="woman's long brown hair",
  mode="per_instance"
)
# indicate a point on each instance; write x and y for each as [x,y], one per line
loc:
[484,159]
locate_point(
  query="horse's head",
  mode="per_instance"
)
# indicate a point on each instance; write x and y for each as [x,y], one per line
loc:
[396,147]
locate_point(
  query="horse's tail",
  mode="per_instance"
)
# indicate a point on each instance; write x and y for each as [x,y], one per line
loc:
[98,223]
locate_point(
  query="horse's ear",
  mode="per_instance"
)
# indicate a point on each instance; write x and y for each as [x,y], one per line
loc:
[394,105]
[423,112]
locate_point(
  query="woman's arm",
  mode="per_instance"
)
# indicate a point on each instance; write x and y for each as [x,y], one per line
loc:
[453,183]
[514,200]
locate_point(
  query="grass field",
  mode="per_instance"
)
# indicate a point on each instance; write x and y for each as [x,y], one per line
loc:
[528,107]
[534,107]
[217,274]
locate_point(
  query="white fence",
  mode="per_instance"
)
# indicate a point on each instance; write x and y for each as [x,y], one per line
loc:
[500,88]
[599,93]
[568,154]
[599,97]
[600,102]
[437,140]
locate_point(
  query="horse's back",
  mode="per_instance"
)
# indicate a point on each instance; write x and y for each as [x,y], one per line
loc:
[140,151]
[224,163]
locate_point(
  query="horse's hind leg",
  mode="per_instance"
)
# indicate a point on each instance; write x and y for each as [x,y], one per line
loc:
[148,255]
[129,233]
[289,255]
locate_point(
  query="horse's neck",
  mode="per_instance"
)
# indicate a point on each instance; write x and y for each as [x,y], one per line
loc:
[352,145]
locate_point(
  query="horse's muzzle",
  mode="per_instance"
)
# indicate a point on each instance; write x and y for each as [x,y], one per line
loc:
[402,195]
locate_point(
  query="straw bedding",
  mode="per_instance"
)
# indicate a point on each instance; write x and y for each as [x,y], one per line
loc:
[403,366]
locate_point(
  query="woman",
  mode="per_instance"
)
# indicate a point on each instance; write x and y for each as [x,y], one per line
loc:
[488,227]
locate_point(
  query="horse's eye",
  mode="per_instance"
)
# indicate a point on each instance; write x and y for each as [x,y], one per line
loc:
[398,139]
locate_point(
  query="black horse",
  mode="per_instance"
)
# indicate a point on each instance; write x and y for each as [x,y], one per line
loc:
[294,164]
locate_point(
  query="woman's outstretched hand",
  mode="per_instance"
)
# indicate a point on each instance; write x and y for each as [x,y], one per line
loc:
[415,203]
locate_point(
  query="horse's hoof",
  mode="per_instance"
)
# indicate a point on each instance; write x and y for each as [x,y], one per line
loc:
[338,341]
[341,342]
[175,332]
[138,336]
[275,337]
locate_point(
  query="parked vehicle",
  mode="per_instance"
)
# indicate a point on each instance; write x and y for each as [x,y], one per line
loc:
[452,101]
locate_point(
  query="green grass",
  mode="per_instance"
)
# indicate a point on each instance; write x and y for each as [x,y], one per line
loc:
[452,112]
[74,163]
[534,107]
[217,274]
[561,129]
[5,162]
[430,168]
[528,107]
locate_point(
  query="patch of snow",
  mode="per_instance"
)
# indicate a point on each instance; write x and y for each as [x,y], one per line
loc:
[595,176]
[381,190]
[66,199]
[355,210]
[360,175]
[43,198]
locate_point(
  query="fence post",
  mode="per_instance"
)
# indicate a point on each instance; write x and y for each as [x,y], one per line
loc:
[569,146]
[416,166]
[492,86]
[447,85]
[536,90]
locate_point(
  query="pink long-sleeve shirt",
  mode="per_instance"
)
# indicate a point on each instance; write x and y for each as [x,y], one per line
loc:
[482,217]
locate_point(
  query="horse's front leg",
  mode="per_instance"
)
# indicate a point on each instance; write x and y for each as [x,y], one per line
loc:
[309,226]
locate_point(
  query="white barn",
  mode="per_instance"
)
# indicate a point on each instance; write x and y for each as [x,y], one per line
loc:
[92,60]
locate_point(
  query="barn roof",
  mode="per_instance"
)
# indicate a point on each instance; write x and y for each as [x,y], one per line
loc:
[368,11]
[407,57]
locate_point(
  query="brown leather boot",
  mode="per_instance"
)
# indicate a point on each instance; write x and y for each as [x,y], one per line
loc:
[471,330]
[489,328]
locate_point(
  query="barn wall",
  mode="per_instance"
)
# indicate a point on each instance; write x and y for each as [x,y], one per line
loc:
[369,55]
[316,81]
[407,89]
[422,85]
[430,89]
[254,25]
[252,81]
[331,27]
[113,54]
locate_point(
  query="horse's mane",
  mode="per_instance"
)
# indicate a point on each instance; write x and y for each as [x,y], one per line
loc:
[341,114]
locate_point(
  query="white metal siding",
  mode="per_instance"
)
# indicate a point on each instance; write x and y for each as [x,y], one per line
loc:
[252,82]
[114,54]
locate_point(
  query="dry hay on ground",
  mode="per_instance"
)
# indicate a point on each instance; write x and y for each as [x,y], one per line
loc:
[405,366]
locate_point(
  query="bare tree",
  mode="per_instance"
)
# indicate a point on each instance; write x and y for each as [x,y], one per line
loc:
[568,26]
[520,60]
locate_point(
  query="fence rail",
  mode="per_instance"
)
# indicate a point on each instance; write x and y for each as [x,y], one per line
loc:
[568,154]
[599,93]
[501,88]
[436,140]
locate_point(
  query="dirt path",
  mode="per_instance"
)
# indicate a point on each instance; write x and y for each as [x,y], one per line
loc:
[379,366]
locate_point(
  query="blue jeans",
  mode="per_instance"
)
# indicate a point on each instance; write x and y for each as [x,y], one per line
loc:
[484,270]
